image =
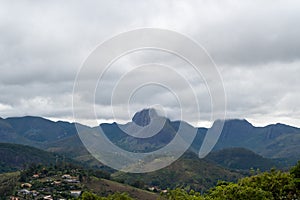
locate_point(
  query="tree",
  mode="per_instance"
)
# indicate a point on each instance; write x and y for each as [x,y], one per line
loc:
[295,171]
[116,196]
[233,191]
[280,184]
[90,196]
[180,194]
[80,177]
[273,185]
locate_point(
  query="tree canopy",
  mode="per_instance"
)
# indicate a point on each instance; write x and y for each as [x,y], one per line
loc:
[272,185]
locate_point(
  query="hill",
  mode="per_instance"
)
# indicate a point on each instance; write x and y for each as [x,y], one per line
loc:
[73,148]
[103,186]
[241,159]
[188,172]
[14,157]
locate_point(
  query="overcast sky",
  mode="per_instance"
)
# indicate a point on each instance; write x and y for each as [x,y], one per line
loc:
[255,44]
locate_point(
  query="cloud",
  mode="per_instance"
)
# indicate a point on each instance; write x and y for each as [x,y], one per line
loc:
[255,44]
[266,91]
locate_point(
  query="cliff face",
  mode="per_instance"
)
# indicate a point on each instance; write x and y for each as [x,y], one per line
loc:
[143,117]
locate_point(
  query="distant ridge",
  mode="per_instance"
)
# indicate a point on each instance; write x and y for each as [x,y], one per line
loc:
[272,141]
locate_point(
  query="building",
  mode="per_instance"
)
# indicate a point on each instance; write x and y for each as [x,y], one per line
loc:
[75,193]
[49,197]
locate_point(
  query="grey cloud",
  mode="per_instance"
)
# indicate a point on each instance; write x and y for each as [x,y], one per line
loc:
[255,44]
[251,32]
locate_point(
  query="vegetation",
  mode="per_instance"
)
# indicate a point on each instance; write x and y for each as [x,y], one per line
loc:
[189,172]
[8,182]
[187,178]
[295,171]
[116,196]
[38,181]
[241,159]
[273,185]
[65,181]
[14,157]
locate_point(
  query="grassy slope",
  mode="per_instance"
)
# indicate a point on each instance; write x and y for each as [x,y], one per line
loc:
[104,187]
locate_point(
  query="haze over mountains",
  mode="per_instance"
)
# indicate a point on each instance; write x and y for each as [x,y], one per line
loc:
[276,141]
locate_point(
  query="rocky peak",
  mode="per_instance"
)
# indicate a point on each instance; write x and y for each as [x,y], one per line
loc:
[143,117]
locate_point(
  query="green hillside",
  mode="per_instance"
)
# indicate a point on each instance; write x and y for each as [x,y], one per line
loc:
[242,159]
[14,157]
[188,172]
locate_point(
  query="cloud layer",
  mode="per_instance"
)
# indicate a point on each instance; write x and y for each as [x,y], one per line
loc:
[255,45]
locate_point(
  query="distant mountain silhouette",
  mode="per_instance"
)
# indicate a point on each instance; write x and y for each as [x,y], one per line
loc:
[40,129]
[147,132]
[272,141]
[262,140]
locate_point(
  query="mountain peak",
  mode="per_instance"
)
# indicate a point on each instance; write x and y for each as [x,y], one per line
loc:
[143,117]
[243,122]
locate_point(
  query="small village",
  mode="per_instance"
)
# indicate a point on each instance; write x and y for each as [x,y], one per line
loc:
[50,184]
[60,182]
[49,188]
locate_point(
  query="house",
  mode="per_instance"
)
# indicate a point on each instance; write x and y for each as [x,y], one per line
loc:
[35,193]
[72,181]
[75,193]
[56,182]
[154,189]
[66,176]
[49,197]
[14,198]
[26,185]
[24,192]
[35,176]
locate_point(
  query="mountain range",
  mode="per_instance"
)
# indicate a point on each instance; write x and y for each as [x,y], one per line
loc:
[275,141]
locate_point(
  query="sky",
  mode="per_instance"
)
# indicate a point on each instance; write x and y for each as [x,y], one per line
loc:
[254,44]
